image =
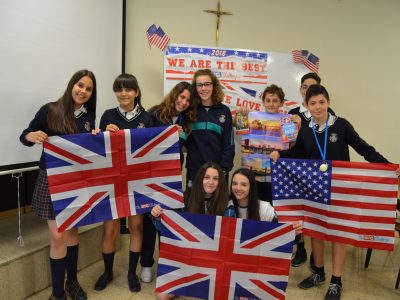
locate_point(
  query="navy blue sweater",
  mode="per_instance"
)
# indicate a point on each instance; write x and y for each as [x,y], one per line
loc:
[85,123]
[114,116]
[211,139]
[341,135]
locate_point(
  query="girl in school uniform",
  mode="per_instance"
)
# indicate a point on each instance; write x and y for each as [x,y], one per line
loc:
[211,136]
[176,108]
[245,199]
[209,195]
[129,114]
[313,143]
[74,112]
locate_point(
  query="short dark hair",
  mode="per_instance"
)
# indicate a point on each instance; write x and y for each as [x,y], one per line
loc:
[316,89]
[128,81]
[275,90]
[311,75]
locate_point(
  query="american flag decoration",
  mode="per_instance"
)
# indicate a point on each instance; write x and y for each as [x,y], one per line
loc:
[214,257]
[306,58]
[352,202]
[156,36]
[113,175]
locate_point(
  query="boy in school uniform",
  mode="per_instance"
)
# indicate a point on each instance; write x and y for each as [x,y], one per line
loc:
[302,111]
[312,143]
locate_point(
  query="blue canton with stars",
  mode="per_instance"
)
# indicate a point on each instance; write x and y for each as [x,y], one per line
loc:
[301,179]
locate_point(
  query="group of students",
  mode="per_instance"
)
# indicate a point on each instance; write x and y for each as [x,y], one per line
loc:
[205,127]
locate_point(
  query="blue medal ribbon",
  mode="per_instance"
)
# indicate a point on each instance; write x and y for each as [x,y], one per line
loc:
[323,153]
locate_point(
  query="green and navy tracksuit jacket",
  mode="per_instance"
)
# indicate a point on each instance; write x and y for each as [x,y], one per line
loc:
[211,139]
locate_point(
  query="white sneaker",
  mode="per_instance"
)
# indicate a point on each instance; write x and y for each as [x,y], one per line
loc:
[146,275]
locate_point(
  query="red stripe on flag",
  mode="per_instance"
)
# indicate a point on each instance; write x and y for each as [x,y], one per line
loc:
[268,289]
[165,135]
[363,192]
[268,237]
[350,229]
[182,280]
[67,154]
[364,166]
[67,223]
[363,205]
[348,241]
[349,216]
[166,192]
[363,178]
[178,228]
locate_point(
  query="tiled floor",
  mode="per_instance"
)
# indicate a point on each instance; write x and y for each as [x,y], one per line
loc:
[376,282]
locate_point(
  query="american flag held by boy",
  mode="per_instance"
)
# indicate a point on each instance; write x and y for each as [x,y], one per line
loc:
[352,202]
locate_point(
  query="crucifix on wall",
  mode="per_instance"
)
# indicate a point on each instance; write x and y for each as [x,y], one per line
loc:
[218,13]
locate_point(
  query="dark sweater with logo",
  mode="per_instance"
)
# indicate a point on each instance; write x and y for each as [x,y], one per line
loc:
[211,139]
[85,122]
[341,135]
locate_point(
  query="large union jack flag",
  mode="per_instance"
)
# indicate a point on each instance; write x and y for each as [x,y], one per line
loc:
[212,257]
[113,175]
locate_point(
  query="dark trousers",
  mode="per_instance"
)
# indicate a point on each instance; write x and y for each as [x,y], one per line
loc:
[149,240]
[264,191]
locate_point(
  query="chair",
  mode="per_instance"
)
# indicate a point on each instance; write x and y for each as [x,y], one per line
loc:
[368,258]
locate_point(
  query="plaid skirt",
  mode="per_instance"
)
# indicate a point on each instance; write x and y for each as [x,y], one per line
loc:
[41,201]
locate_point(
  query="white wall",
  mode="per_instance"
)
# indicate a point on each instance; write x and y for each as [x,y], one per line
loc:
[357,42]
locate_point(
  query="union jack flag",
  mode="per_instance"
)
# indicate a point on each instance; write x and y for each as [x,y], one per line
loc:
[113,175]
[352,202]
[214,257]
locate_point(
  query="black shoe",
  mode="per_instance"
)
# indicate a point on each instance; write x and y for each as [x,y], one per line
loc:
[311,281]
[63,297]
[312,263]
[334,292]
[300,257]
[75,291]
[102,282]
[134,283]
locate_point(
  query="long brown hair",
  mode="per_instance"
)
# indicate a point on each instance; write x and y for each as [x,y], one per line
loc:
[253,206]
[166,109]
[60,117]
[217,93]
[219,199]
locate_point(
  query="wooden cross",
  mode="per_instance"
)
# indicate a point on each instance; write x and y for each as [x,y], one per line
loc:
[218,13]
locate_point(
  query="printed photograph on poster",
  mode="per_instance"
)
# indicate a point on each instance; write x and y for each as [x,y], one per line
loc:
[242,124]
[265,144]
[257,162]
[273,125]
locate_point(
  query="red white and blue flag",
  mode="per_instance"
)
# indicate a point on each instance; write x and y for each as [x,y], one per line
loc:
[156,36]
[214,257]
[113,175]
[352,202]
[306,58]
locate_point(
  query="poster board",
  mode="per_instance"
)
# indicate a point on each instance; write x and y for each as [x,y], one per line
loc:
[243,73]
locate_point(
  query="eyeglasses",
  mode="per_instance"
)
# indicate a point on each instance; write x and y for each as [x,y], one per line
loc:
[205,84]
